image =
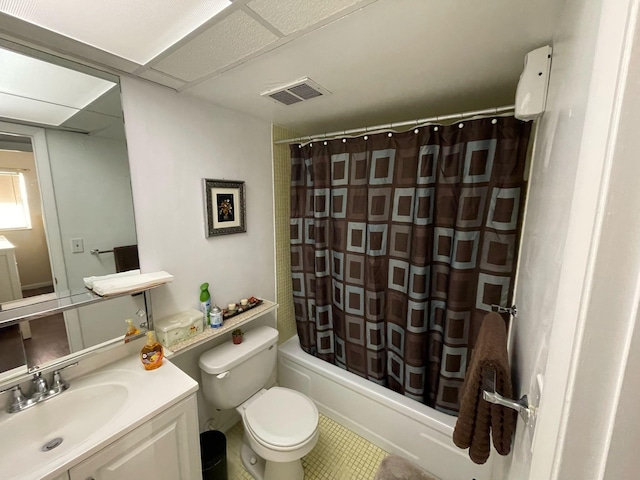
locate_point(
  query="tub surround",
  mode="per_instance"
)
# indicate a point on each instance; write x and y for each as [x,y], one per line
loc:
[114,400]
[387,419]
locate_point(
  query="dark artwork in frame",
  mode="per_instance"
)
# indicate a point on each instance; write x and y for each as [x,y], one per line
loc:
[225,207]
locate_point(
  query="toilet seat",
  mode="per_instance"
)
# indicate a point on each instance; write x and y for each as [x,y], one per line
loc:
[281,419]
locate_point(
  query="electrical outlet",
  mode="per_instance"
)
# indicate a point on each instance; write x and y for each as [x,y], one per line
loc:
[77,245]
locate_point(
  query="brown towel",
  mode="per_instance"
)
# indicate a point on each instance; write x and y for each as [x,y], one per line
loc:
[126,258]
[477,416]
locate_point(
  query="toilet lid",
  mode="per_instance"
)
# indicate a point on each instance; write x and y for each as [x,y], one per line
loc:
[282,417]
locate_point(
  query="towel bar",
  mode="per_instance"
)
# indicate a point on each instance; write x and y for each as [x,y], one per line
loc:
[512,310]
[97,251]
[526,411]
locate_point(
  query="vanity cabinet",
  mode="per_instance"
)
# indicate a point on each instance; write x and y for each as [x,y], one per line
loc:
[167,447]
[10,287]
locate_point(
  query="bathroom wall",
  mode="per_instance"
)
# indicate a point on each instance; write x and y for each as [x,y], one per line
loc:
[558,242]
[86,170]
[174,142]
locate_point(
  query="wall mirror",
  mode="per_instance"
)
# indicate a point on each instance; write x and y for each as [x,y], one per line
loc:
[66,206]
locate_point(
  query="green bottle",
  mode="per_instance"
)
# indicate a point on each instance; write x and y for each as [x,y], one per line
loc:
[205,302]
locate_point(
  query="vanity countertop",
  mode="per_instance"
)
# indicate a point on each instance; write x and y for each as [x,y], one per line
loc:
[5,244]
[96,410]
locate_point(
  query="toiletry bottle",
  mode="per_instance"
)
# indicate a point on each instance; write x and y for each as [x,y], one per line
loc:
[205,302]
[216,317]
[152,353]
[131,330]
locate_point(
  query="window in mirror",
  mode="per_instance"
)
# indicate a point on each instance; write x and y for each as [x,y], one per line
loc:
[14,203]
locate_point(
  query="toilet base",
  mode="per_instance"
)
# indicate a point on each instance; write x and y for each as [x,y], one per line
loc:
[260,469]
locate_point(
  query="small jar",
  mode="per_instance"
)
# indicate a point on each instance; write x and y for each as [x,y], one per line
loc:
[216,317]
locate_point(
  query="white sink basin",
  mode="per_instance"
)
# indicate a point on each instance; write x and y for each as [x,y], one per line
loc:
[95,410]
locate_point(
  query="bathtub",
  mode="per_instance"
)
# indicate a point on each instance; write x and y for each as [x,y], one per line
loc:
[387,419]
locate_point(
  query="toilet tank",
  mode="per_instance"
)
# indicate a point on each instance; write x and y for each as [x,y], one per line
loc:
[231,374]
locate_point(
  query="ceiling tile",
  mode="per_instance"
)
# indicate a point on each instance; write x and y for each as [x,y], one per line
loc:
[162,79]
[30,110]
[289,16]
[229,40]
[135,30]
[30,77]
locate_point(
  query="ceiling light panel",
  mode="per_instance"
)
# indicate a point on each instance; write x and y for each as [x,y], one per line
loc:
[32,78]
[226,42]
[135,30]
[34,111]
[289,16]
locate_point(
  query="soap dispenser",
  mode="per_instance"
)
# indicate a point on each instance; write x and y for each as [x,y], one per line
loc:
[152,353]
[131,330]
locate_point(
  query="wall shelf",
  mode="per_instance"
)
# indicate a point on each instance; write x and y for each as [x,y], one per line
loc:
[27,309]
[209,333]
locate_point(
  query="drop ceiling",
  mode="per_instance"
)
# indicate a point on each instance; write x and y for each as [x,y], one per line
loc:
[382,60]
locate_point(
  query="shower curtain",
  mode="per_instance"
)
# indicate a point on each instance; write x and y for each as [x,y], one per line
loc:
[400,244]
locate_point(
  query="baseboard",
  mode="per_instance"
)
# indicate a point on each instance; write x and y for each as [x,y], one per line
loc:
[33,286]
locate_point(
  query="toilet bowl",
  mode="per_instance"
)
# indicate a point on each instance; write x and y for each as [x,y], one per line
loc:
[281,427]
[280,424]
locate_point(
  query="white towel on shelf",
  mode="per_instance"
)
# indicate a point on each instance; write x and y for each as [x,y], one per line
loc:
[114,286]
[88,281]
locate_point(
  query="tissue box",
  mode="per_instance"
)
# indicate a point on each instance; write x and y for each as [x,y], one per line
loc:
[175,328]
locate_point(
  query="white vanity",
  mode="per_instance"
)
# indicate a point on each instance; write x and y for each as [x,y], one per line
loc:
[119,422]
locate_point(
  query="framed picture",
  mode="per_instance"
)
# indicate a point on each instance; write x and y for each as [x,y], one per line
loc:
[225,203]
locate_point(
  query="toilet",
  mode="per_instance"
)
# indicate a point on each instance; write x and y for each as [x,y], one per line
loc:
[280,424]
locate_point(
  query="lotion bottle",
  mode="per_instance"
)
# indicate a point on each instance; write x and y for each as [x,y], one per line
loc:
[152,353]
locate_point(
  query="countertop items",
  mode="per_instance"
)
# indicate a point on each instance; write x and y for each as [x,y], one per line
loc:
[229,324]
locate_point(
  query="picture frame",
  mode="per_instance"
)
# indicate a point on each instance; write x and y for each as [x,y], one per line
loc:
[225,207]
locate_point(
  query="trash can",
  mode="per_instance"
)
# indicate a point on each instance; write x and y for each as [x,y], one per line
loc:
[213,454]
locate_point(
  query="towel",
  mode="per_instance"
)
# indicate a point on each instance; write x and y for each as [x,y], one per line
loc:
[477,416]
[132,283]
[126,258]
[88,281]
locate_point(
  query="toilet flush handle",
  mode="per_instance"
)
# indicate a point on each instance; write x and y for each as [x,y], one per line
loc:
[222,375]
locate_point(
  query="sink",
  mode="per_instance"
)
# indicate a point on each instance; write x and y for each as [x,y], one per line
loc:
[57,418]
[58,423]
[45,439]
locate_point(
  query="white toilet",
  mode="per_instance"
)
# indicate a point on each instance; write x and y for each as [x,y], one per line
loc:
[280,425]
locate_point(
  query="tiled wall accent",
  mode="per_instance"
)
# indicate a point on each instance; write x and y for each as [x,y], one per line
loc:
[281,181]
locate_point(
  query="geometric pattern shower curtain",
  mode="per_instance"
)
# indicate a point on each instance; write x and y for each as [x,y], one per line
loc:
[399,246]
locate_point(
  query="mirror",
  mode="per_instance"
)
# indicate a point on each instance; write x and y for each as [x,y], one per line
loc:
[66,206]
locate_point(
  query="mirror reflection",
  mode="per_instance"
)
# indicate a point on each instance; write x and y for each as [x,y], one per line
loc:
[66,207]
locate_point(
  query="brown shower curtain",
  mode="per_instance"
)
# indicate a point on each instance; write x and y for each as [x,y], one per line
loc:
[399,245]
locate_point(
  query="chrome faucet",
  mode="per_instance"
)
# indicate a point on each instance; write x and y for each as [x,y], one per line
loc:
[40,392]
[40,387]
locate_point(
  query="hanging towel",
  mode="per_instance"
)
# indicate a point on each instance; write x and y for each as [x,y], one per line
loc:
[126,258]
[88,281]
[133,283]
[477,416]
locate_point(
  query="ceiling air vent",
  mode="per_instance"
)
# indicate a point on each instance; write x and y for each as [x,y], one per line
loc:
[296,92]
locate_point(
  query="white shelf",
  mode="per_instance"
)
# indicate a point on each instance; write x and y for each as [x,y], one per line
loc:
[209,333]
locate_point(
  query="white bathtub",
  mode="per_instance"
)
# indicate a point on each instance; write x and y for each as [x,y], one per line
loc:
[387,419]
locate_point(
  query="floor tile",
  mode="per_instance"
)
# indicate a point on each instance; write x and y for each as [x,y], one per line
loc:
[339,454]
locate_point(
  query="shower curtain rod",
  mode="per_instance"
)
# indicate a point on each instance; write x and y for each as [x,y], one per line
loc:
[411,123]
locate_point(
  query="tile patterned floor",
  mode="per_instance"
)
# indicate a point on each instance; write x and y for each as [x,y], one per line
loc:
[339,454]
